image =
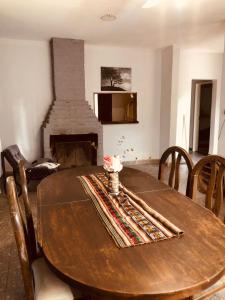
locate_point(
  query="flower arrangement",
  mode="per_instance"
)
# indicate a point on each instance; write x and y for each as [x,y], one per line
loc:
[112,163]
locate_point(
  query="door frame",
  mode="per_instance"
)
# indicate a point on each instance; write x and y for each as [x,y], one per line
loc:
[194,116]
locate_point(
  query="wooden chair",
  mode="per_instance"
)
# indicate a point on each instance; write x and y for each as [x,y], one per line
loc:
[216,288]
[33,247]
[208,177]
[177,154]
[40,283]
[35,170]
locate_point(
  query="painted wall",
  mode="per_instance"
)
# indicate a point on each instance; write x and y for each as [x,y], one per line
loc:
[169,80]
[132,141]
[221,147]
[25,93]
[165,101]
[195,65]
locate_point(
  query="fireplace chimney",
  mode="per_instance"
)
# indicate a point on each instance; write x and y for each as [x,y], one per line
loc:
[70,114]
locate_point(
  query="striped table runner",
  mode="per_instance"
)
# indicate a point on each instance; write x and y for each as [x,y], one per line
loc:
[127,218]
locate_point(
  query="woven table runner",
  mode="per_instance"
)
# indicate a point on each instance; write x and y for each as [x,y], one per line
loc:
[127,218]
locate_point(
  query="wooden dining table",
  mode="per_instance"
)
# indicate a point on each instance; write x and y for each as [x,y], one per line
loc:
[79,249]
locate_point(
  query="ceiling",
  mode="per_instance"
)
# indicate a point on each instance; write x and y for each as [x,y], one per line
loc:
[195,24]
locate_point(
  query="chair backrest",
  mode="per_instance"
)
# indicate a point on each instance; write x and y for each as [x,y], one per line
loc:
[21,238]
[177,154]
[28,212]
[208,177]
[13,156]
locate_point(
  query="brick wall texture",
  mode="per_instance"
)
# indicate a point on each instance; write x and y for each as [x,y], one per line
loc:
[70,113]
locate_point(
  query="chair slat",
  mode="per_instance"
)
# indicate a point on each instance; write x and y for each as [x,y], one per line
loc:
[173,164]
[219,191]
[206,174]
[174,178]
[177,173]
[211,186]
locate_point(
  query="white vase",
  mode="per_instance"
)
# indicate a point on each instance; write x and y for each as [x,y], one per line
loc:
[113,183]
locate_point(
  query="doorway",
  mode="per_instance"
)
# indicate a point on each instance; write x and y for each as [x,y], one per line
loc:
[201,116]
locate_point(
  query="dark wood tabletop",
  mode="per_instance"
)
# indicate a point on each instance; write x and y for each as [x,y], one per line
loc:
[78,247]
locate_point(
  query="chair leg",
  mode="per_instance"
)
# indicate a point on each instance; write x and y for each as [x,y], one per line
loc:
[3,171]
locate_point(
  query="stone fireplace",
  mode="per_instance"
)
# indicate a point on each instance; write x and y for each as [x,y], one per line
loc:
[72,134]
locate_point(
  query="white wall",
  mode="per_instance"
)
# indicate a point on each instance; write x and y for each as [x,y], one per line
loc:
[221,147]
[195,65]
[169,80]
[143,138]
[165,101]
[25,93]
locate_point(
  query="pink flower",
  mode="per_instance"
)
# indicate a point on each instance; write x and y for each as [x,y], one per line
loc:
[112,163]
[107,160]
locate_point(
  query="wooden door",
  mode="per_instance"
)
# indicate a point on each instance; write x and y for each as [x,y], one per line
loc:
[204,118]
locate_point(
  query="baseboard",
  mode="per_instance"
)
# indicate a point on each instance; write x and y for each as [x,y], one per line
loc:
[141,162]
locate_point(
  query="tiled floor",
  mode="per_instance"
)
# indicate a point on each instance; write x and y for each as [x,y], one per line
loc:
[11,285]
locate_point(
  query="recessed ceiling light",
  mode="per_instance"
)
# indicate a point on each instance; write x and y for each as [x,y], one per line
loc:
[108,17]
[150,3]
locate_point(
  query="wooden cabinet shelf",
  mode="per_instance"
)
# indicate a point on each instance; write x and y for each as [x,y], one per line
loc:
[116,108]
[119,122]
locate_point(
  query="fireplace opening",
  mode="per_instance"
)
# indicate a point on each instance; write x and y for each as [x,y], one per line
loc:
[72,150]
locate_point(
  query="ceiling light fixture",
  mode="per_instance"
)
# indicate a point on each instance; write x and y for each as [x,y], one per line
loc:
[150,3]
[108,18]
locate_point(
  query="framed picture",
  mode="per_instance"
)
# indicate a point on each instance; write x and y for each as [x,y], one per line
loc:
[115,79]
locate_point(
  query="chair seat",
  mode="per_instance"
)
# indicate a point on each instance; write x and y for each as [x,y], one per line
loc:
[219,295]
[41,170]
[48,286]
